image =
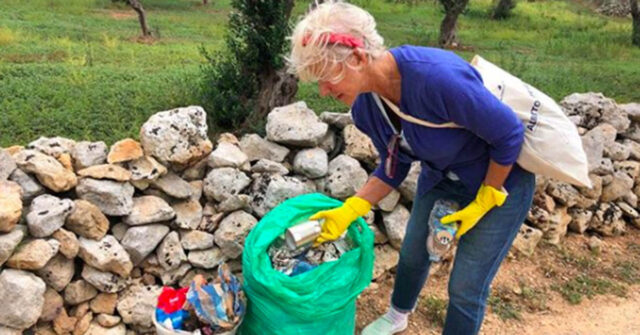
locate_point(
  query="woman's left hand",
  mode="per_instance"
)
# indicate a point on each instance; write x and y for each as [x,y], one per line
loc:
[487,198]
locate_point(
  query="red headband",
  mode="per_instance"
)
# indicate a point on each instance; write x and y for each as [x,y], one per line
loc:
[339,39]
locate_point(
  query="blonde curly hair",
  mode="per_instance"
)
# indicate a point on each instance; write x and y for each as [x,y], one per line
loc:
[313,48]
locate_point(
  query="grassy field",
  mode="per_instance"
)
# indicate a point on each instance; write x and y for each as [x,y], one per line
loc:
[76,68]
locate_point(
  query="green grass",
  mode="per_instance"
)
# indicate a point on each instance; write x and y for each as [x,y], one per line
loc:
[575,289]
[75,68]
[435,309]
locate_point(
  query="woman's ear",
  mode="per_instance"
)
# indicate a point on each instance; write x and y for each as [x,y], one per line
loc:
[360,57]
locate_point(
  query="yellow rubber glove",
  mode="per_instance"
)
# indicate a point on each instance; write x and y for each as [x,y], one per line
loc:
[337,220]
[487,198]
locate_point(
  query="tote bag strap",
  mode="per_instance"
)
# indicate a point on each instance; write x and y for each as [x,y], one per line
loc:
[410,118]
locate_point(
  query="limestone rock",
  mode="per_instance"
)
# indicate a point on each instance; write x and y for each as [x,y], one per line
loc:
[395,224]
[7,165]
[338,120]
[196,240]
[137,304]
[48,214]
[617,151]
[105,282]
[173,185]
[63,323]
[108,321]
[106,171]
[196,171]
[177,136]
[96,329]
[106,255]
[527,240]
[10,205]
[206,259]
[104,303]
[113,198]
[329,143]
[145,168]
[255,147]
[386,258]
[359,146]
[86,154]
[563,193]
[233,231]
[633,133]
[69,245]
[140,241]
[227,155]
[234,203]
[627,210]
[277,190]
[83,325]
[224,182]
[188,214]
[124,151]
[607,220]
[22,295]
[33,254]
[31,188]
[389,202]
[173,276]
[267,166]
[409,187]
[345,177]
[149,209]
[9,242]
[295,124]
[53,305]
[170,253]
[558,222]
[47,169]
[54,146]
[58,272]
[580,219]
[87,220]
[621,185]
[589,105]
[634,149]
[78,292]
[313,163]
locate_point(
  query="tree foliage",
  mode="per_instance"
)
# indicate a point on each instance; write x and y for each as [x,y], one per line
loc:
[245,81]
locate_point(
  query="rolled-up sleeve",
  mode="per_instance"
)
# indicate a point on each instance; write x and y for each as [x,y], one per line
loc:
[463,99]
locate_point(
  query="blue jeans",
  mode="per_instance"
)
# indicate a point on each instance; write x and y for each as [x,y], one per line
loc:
[478,257]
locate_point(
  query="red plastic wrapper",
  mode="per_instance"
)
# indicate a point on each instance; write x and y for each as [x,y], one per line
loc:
[172,300]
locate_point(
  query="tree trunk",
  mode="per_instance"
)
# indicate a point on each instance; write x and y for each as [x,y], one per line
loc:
[503,9]
[635,13]
[137,6]
[204,2]
[277,87]
[453,9]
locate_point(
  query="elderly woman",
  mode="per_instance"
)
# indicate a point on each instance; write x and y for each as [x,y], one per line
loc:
[337,45]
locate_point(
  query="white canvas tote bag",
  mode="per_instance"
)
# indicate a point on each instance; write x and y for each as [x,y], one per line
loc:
[552,146]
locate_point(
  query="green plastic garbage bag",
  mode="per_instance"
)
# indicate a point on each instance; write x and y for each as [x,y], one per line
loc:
[321,301]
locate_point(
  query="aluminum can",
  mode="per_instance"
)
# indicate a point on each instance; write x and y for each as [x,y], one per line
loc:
[303,234]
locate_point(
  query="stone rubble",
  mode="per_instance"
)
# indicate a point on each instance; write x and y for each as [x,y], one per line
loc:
[99,228]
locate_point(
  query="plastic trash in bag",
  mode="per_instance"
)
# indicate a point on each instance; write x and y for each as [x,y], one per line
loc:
[321,300]
[220,303]
[203,308]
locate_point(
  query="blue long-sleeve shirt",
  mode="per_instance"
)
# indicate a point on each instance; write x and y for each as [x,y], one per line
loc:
[440,87]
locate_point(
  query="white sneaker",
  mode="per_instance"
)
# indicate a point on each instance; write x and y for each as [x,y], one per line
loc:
[384,326]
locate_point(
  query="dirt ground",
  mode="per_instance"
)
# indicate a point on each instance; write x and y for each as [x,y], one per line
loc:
[560,290]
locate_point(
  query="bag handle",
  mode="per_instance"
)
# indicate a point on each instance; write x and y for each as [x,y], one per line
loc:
[415,120]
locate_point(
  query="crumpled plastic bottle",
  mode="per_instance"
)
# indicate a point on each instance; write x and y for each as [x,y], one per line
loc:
[441,236]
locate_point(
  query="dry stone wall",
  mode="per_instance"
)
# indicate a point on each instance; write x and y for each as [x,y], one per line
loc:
[90,233]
